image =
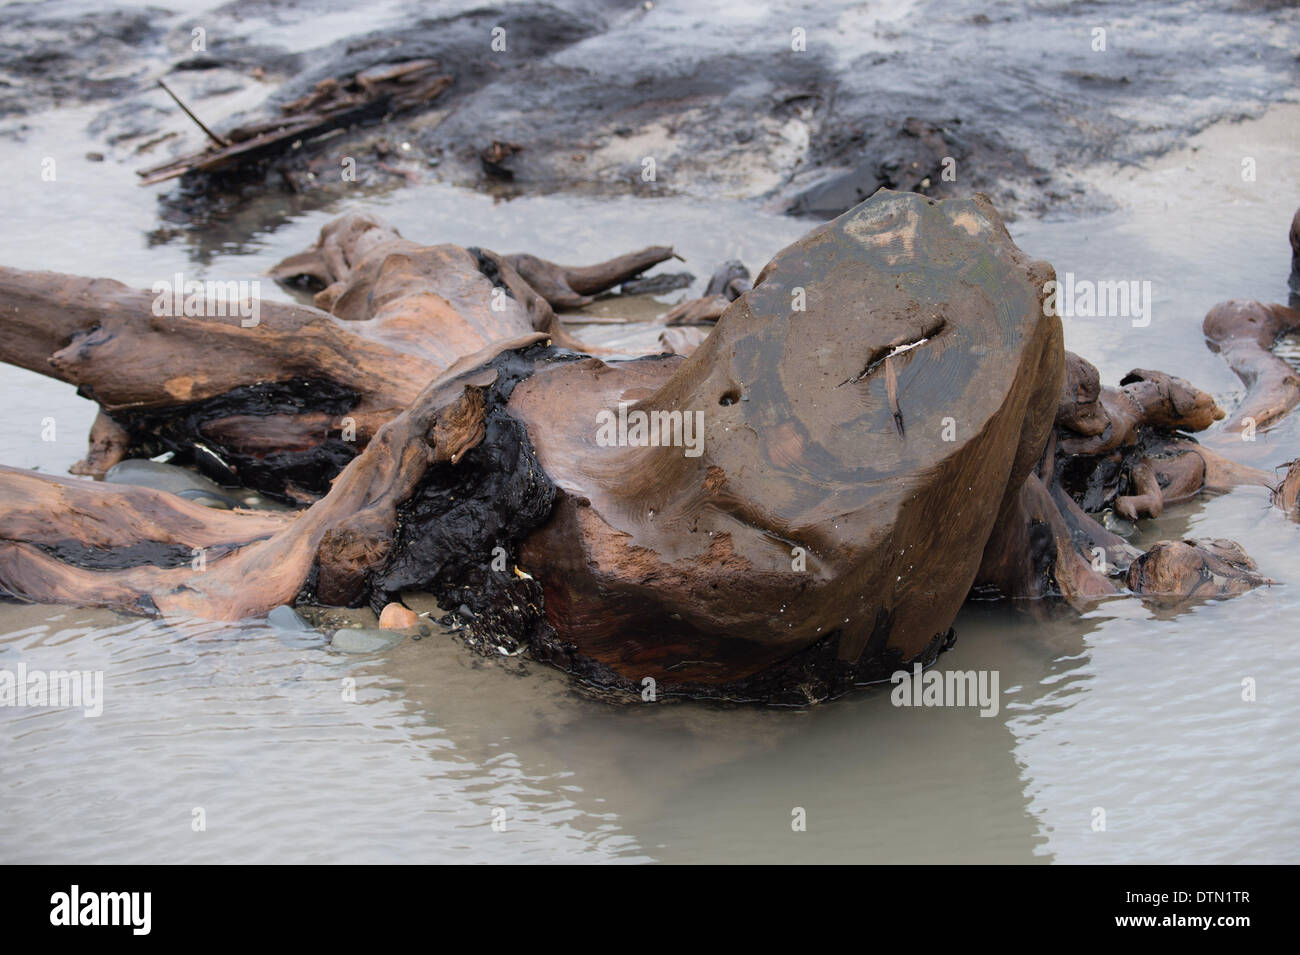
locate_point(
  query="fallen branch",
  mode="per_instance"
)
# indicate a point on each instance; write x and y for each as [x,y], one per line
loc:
[333,104]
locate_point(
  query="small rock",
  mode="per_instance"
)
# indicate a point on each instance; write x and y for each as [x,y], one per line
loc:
[397,617]
[493,159]
[1117,525]
[172,479]
[293,631]
[286,618]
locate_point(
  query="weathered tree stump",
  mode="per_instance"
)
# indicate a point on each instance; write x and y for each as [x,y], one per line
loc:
[867,408]
[802,504]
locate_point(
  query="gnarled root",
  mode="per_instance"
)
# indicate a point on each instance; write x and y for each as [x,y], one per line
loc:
[566,286]
[1287,494]
[141,550]
[282,402]
[1243,332]
[1121,447]
[1126,447]
[1178,572]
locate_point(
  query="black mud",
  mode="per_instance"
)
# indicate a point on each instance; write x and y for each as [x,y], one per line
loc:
[180,429]
[1010,99]
[458,534]
[80,554]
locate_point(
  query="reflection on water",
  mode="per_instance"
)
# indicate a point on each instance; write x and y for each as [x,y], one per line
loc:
[1118,710]
[260,737]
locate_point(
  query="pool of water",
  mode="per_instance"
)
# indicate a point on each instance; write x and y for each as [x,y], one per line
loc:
[412,754]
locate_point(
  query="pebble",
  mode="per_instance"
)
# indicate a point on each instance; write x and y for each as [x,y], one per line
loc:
[286,618]
[173,479]
[1117,525]
[292,630]
[397,617]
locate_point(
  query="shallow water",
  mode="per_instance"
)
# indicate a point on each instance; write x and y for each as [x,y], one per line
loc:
[1120,709]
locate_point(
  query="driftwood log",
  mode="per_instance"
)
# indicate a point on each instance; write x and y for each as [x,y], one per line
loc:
[333,104]
[283,405]
[884,424]
[1244,332]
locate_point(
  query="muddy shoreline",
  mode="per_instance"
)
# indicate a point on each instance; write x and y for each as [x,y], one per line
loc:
[808,110]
